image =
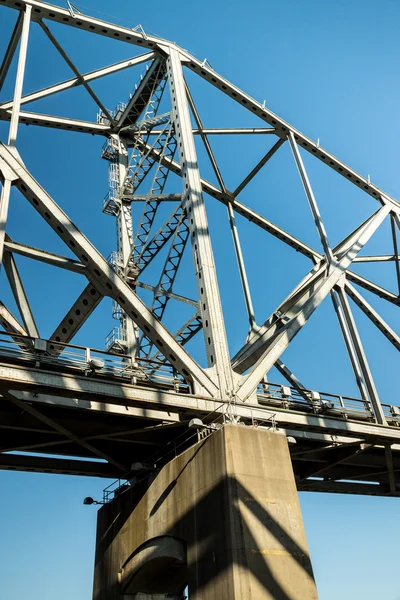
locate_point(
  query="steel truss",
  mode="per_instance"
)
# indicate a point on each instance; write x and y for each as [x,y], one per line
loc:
[144,143]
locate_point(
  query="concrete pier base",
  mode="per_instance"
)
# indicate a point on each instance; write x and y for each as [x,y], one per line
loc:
[223,518]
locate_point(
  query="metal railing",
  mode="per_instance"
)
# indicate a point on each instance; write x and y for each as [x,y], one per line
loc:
[49,354]
[110,203]
[117,334]
[152,372]
[346,407]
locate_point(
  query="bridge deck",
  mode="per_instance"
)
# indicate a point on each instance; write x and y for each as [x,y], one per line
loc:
[66,417]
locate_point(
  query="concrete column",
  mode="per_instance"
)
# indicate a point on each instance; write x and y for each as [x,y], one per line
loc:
[224,517]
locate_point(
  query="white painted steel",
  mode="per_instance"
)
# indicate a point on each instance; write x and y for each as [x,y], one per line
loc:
[206,279]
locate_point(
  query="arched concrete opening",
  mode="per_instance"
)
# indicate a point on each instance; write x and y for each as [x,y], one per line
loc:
[158,568]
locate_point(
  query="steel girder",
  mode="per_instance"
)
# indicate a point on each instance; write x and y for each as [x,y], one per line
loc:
[141,145]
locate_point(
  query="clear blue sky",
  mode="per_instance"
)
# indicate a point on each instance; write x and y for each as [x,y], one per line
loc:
[330,69]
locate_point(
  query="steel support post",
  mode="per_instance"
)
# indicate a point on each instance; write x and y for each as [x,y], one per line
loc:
[362,359]
[311,199]
[210,303]
[80,80]
[74,319]
[390,466]
[337,303]
[20,296]
[4,202]
[12,135]
[205,139]
[258,167]
[395,249]
[242,269]
[11,48]
[12,325]
[49,258]
[371,313]
[231,215]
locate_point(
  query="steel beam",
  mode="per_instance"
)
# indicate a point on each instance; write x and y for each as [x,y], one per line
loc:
[228,131]
[311,199]
[296,298]
[178,297]
[75,70]
[395,249]
[335,455]
[258,167]
[12,325]
[14,117]
[337,303]
[207,285]
[79,80]
[343,487]
[30,118]
[11,48]
[124,235]
[19,293]
[44,256]
[160,238]
[391,471]
[103,406]
[361,356]
[57,427]
[81,309]
[254,217]
[19,81]
[60,466]
[204,138]
[231,216]
[143,94]
[380,258]
[370,286]
[371,313]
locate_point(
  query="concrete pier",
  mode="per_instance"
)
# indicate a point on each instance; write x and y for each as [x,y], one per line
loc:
[223,518]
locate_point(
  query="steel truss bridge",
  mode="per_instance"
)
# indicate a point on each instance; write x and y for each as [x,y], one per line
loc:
[133,401]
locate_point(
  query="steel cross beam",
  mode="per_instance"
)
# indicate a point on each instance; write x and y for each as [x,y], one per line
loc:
[228,131]
[19,293]
[64,123]
[11,48]
[330,275]
[56,426]
[104,277]
[79,312]
[80,80]
[12,325]
[371,313]
[49,258]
